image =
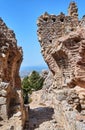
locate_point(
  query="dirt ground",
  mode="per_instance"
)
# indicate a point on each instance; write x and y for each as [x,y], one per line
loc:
[41,114]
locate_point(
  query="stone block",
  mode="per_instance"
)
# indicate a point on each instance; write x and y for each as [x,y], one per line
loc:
[3,93]
[3,112]
[2,100]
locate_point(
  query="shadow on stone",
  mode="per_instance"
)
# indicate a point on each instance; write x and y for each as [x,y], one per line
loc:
[39,115]
[1,119]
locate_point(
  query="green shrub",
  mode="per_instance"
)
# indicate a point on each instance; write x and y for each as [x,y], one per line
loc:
[32,83]
[36,81]
[26,85]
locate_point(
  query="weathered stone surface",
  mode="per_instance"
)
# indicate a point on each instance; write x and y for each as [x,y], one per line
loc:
[2,100]
[10,60]
[10,56]
[62,40]
[48,79]
[64,55]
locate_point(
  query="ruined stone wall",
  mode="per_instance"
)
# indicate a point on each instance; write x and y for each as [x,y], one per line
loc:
[10,83]
[62,40]
[10,56]
[61,43]
[51,27]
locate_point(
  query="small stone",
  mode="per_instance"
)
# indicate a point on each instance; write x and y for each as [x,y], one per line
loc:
[83,112]
[2,100]
[3,112]
[83,106]
[81,96]
[3,93]
[3,55]
[70,109]
[82,101]
[76,100]
[18,114]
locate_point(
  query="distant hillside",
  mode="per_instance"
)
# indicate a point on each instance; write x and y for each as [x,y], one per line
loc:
[24,71]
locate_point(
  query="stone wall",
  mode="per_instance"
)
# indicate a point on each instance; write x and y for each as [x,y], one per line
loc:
[10,56]
[10,83]
[62,40]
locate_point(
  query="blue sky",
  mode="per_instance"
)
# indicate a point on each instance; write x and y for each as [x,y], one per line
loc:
[21,16]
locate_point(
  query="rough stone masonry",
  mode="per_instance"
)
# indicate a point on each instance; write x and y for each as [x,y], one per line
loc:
[62,40]
[10,94]
[62,45]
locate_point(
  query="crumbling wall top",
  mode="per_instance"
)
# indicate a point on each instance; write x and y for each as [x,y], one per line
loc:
[51,27]
[73,9]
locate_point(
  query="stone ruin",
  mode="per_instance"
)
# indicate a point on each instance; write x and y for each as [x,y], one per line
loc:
[11,57]
[62,40]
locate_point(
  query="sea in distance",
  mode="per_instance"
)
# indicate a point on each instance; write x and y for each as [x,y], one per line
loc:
[25,71]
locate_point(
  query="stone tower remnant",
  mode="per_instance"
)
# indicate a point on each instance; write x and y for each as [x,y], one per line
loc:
[73,10]
[62,40]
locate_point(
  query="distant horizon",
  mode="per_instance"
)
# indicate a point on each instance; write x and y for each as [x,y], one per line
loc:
[34,66]
[25,70]
[39,65]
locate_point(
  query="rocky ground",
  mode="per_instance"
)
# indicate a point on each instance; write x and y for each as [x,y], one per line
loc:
[42,112]
[14,123]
